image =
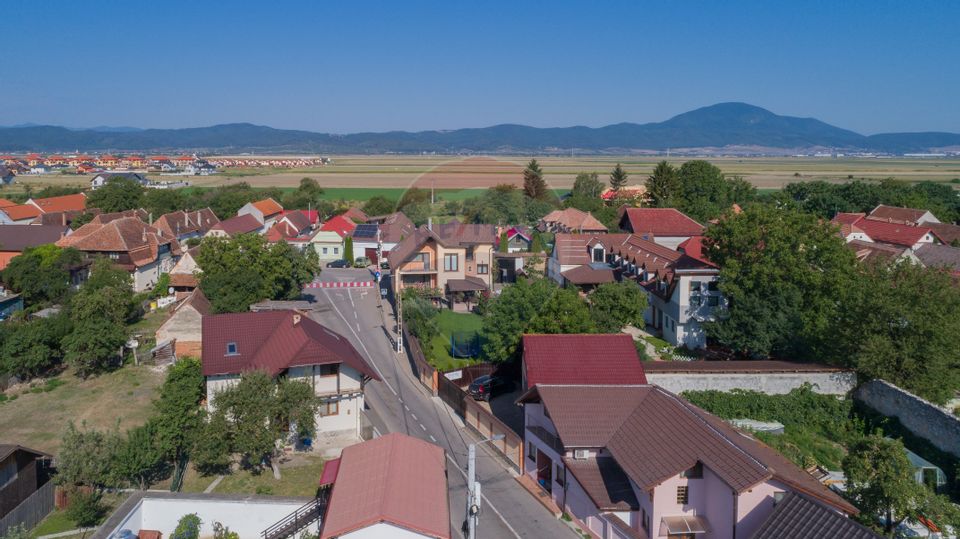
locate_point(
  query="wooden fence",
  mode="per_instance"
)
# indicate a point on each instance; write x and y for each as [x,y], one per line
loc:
[30,511]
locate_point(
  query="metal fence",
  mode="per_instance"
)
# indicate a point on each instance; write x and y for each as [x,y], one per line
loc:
[30,511]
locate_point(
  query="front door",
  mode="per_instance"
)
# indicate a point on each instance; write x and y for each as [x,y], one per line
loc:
[544,471]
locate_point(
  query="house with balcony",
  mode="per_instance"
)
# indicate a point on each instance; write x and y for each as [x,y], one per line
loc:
[143,250]
[453,258]
[638,461]
[387,231]
[288,343]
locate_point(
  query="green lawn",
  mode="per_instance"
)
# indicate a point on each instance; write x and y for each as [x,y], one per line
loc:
[299,477]
[448,322]
[57,521]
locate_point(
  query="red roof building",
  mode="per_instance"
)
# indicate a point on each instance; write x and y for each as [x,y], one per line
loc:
[905,235]
[667,226]
[77,202]
[340,224]
[904,216]
[241,224]
[581,359]
[19,213]
[394,481]
[356,215]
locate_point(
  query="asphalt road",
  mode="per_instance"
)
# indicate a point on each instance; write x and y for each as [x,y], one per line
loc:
[399,403]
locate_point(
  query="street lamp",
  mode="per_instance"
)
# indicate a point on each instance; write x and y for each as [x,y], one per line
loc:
[473,486]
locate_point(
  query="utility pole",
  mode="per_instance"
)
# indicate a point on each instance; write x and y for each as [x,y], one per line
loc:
[473,487]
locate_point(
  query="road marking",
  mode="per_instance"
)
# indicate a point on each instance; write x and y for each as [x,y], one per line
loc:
[359,340]
[485,499]
[414,416]
[405,407]
[432,439]
[422,427]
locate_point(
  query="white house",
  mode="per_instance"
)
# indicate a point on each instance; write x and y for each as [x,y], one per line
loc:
[267,211]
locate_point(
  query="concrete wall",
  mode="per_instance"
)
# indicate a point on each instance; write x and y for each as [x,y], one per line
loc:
[777,383]
[247,516]
[919,416]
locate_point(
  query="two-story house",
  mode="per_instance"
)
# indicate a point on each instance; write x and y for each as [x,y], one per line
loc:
[184,225]
[665,226]
[453,258]
[143,250]
[571,220]
[389,230]
[638,461]
[288,343]
[266,211]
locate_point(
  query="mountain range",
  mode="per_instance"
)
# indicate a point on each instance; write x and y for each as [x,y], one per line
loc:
[721,128]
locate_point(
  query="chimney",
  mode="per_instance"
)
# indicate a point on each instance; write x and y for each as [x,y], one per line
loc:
[296,319]
[429,223]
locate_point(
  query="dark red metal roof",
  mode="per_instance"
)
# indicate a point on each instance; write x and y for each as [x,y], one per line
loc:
[581,359]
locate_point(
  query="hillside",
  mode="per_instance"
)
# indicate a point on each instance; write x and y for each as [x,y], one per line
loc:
[725,125]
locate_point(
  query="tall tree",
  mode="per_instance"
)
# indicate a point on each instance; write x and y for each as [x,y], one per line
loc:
[42,273]
[781,271]
[348,249]
[618,178]
[511,315]
[504,244]
[534,185]
[177,420]
[663,185]
[210,453]
[379,205]
[880,481]
[563,312]
[900,323]
[138,459]
[587,185]
[705,193]
[118,194]
[615,305]
[85,457]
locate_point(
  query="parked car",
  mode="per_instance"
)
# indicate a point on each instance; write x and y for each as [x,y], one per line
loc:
[338,264]
[487,386]
[361,262]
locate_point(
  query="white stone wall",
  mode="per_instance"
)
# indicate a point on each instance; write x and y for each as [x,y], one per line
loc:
[921,417]
[825,382]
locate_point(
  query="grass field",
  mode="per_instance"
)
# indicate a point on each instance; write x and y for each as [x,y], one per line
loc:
[361,177]
[38,419]
[449,322]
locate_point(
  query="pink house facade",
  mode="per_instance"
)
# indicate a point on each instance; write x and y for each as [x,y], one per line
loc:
[636,461]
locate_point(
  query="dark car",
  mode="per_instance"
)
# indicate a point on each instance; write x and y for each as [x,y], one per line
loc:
[487,386]
[338,264]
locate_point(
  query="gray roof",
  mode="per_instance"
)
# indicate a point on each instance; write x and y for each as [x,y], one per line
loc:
[798,517]
[939,256]
[19,237]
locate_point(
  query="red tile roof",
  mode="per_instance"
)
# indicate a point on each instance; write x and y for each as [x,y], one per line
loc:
[4,203]
[659,222]
[655,435]
[181,223]
[848,218]
[356,214]
[581,359]
[273,341]
[589,275]
[945,232]
[395,479]
[895,214]
[77,202]
[339,224]
[20,212]
[572,249]
[882,231]
[574,220]
[313,216]
[268,207]
[125,235]
[241,224]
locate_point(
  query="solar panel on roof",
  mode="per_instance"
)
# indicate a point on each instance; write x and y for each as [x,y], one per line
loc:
[365,231]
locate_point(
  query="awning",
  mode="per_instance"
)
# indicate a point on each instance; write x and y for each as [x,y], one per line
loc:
[329,474]
[470,284]
[683,524]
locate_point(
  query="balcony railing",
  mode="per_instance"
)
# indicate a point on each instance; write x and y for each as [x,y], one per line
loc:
[418,266]
[547,437]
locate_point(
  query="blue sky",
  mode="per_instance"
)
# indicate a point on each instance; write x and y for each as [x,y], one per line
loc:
[875,66]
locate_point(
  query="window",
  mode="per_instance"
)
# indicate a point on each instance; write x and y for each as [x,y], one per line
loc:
[329,408]
[713,286]
[561,476]
[483,269]
[330,370]
[232,349]
[695,472]
[114,256]
[598,253]
[469,253]
[683,495]
[713,301]
[336,250]
[324,250]
[451,262]
[531,451]
[695,286]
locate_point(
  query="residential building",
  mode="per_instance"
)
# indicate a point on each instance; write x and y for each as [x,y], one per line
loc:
[101,179]
[903,216]
[292,227]
[570,220]
[19,214]
[638,461]
[183,274]
[14,239]
[571,251]
[185,225]
[945,232]
[6,175]
[266,211]
[581,359]
[234,226]
[905,235]
[664,226]
[868,251]
[391,486]
[143,250]
[182,329]
[39,168]
[453,258]
[328,241]
[22,472]
[341,224]
[519,239]
[356,215]
[77,202]
[796,516]
[389,230]
[291,344]
[939,256]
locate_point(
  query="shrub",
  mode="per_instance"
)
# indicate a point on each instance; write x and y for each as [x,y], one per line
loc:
[16,532]
[187,528]
[86,508]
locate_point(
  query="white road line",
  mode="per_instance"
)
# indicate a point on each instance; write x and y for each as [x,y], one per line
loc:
[486,500]
[359,340]
[350,295]
[414,416]
[422,427]
[432,439]
[405,407]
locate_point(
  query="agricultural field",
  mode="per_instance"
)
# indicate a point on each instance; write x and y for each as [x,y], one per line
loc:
[456,178]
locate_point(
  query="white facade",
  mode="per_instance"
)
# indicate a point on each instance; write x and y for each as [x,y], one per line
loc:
[383,530]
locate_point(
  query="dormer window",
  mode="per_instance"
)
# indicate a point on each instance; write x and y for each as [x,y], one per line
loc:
[231,348]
